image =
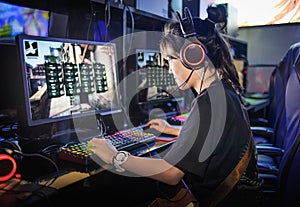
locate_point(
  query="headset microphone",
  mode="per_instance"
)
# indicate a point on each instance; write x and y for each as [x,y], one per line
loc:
[179,86]
[184,82]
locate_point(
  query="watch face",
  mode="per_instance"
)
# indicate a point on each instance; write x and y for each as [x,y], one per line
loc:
[120,157]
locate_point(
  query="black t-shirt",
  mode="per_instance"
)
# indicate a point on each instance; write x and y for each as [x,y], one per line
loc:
[212,140]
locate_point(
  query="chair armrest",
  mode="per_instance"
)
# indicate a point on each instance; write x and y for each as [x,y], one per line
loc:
[270,184]
[269,150]
[259,122]
[262,131]
[265,168]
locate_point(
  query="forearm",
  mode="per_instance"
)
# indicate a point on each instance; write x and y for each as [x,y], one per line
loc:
[154,168]
[163,126]
[157,169]
[173,130]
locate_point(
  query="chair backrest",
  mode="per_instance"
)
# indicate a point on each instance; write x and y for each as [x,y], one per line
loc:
[289,179]
[273,105]
[281,77]
[291,57]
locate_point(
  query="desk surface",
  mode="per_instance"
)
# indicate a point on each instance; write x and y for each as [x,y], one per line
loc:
[70,172]
[69,175]
[254,104]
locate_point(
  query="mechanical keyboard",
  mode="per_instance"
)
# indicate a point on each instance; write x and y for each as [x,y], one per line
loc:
[178,120]
[132,140]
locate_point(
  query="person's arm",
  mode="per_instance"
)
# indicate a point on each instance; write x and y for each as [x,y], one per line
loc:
[164,127]
[157,169]
[154,168]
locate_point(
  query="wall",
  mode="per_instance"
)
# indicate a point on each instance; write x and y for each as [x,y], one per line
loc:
[268,44]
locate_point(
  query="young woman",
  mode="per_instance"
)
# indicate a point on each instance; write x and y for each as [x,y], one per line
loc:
[215,135]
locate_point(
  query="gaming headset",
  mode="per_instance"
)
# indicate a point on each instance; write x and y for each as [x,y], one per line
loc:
[9,160]
[193,52]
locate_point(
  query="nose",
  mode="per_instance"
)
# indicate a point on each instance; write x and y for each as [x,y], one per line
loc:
[170,70]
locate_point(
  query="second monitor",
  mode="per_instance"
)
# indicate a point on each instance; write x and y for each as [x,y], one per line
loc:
[157,92]
[154,77]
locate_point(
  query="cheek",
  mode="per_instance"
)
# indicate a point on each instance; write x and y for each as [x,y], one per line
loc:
[179,69]
[172,67]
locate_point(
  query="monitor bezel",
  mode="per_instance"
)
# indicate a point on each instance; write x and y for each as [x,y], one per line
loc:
[25,90]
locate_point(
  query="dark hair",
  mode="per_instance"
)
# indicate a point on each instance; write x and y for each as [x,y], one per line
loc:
[218,49]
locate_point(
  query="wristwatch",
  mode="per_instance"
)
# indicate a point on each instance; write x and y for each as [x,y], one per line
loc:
[119,159]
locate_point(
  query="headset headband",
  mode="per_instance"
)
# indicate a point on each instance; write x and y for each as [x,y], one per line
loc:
[186,23]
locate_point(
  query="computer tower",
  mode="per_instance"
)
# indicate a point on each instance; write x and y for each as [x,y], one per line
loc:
[8,78]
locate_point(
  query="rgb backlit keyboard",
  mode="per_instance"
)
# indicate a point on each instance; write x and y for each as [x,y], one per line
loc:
[130,140]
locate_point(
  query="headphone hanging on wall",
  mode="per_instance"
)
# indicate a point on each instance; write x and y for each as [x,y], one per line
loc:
[193,52]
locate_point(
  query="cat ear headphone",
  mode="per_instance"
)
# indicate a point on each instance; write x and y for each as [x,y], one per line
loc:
[193,52]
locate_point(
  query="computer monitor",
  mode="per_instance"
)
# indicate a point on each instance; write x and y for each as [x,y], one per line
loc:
[258,79]
[157,92]
[66,79]
[154,78]
[15,19]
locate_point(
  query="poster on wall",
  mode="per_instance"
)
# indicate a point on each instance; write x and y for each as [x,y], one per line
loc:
[267,12]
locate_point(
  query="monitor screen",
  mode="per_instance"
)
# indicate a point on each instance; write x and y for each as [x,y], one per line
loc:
[154,80]
[64,79]
[258,78]
[16,20]
[157,94]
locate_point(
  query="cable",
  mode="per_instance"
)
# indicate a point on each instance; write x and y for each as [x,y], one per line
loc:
[51,148]
[92,19]
[10,151]
[132,28]
[50,182]
[125,54]
[50,14]
[101,124]
[107,18]
[202,79]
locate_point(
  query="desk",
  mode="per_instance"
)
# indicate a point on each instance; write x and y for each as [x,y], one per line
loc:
[20,193]
[254,104]
[75,183]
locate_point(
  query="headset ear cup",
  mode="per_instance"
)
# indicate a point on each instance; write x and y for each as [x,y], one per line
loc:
[193,52]
[8,166]
[192,55]
[9,161]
